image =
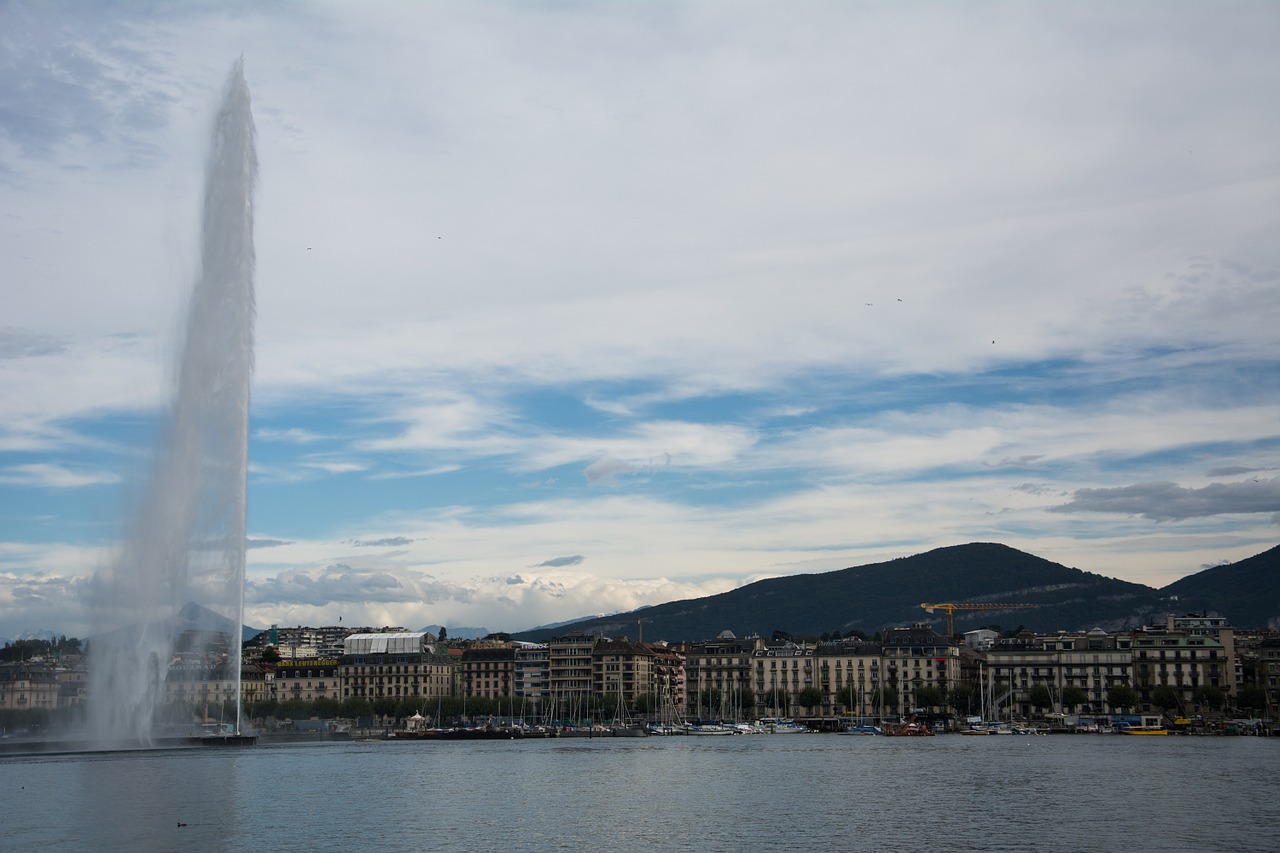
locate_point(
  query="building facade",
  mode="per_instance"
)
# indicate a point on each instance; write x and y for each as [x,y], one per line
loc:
[718,677]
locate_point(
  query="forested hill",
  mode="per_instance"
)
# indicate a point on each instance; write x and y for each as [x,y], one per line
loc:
[1248,592]
[869,598]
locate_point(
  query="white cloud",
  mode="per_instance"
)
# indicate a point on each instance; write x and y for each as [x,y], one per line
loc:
[54,477]
[638,242]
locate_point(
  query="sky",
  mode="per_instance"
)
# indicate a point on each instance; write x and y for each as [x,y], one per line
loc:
[566,308]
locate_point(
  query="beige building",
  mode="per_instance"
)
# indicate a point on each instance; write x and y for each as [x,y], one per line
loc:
[668,681]
[622,670]
[25,686]
[307,679]
[1180,661]
[1215,627]
[915,658]
[208,689]
[718,677]
[394,665]
[849,677]
[778,673]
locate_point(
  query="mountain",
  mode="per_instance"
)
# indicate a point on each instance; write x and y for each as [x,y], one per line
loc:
[1247,592]
[461,632]
[869,598]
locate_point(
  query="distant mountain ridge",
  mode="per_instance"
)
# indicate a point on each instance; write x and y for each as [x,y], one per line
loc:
[1247,592]
[872,597]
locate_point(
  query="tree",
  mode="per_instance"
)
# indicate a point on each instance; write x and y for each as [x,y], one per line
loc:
[709,701]
[270,655]
[1073,697]
[1164,697]
[263,708]
[885,697]
[1122,697]
[1040,697]
[356,707]
[847,697]
[810,697]
[1210,697]
[961,698]
[929,696]
[645,703]
[777,700]
[1251,697]
[385,706]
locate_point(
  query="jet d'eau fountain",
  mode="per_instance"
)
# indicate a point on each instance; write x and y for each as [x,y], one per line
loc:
[169,605]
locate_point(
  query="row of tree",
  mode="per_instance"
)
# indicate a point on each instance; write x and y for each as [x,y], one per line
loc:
[22,650]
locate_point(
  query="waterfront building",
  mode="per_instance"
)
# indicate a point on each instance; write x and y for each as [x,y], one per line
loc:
[531,673]
[916,658]
[718,676]
[72,681]
[1179,661]
[668,679]
[208,687]
[307,679]
[849,677]
[1093,661]
[621,670]
[487,669]
[778,672]
[395,665]
[1216,627]
[569,666]
[24,686]
[1267,669]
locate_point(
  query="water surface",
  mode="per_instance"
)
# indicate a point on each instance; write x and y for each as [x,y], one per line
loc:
[749,793]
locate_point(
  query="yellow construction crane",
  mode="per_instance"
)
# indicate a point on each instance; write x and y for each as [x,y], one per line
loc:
[952,608]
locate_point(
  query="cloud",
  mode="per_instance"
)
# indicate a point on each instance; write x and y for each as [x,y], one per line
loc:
[50,476]
[425,472]
[292,435]
[335,467]
[679,289]
[334,583]
[385,542]
[607,470]
[265,543]
[1234,471]
[1163,501]
[560,562]
[21,343]
[409,598]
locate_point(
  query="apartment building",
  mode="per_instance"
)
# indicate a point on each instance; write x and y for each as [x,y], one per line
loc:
[718,676]
[394,665]
[622,670]
[307,679]
[487,669]
[778,673]
[569,668]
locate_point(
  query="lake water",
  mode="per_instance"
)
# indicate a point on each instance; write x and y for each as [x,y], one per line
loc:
[756,793]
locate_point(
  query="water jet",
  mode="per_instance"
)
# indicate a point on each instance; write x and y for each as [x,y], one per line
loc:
[168,607]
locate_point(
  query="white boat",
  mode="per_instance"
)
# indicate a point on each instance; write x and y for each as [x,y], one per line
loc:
[772,725]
